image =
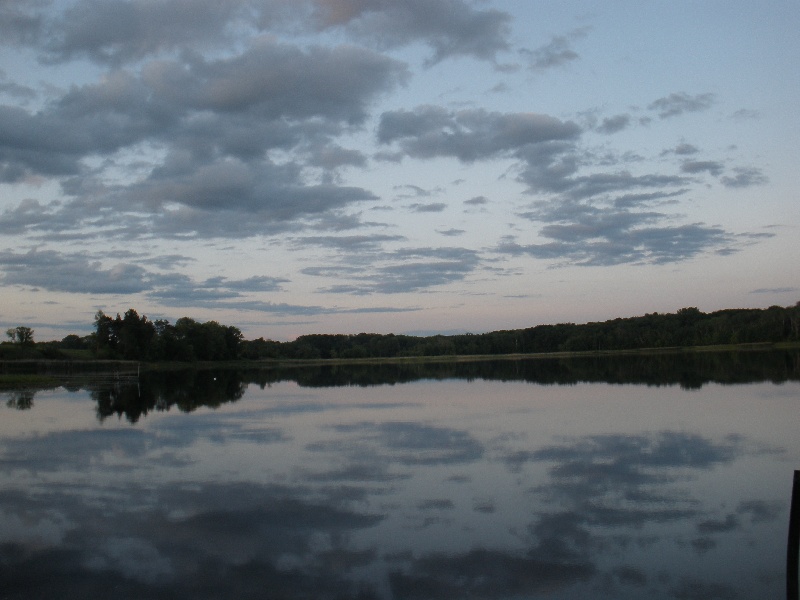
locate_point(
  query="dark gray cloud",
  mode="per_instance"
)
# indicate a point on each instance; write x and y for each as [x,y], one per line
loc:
[274,80]
[412,191]
[86,274]
[745,177]
[21,22]
[333,156]
[559,176]
[251,118]
[557,52]
[430,207]
[627,201]
[276,192]
[618,241]
[449,27]
[614,124]
[781,290]
[348,243]
[414,276]
[452,232]
[415,269]
[176,287]
[217,119]
[52,271]
[469,135]
[595,218]
[684,149]
[678,103]
[745,114]
[119,31]
[702,166]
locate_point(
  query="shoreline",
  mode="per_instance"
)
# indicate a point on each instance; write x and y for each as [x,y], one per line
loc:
[127,367]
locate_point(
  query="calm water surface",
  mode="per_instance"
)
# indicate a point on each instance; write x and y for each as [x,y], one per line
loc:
[218,485]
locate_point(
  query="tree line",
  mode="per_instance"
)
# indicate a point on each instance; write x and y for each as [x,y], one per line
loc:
[135,337]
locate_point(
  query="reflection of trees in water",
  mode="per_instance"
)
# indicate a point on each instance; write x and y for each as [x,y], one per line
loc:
[189,389]
[689,370]
[186,389]
[20,399]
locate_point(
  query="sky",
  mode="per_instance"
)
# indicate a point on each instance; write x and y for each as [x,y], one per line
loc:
[395,166]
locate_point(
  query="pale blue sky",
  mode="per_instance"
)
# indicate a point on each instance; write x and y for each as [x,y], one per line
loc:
[409,166]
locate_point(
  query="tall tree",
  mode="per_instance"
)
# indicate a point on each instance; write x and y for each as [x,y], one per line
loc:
[23,336]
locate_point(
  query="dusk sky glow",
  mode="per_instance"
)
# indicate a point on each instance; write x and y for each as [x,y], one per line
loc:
[403,166]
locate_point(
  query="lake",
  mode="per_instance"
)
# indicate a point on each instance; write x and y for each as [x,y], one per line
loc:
[665,476]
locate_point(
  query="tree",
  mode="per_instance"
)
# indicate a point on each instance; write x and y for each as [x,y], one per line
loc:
[21,335]
[105,336]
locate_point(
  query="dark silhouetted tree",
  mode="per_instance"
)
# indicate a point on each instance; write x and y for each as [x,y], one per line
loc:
[22,336]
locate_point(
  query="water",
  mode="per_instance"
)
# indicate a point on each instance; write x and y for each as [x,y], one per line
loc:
[524,479]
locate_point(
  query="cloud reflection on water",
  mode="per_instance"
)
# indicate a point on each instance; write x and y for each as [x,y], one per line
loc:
[360,493]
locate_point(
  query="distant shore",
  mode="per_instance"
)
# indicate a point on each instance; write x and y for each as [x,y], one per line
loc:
[45,373]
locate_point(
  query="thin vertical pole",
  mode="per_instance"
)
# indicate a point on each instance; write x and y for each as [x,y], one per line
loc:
[793,548]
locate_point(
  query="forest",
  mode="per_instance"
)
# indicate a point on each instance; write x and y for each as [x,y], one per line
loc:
[135,337]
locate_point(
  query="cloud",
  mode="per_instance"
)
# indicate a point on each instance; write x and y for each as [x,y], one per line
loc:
[702,166]
[452,232]
[780,290]
[276,192]
[85,274]
[559,177]
[556,53]
[450,27]
[469,135]
[412,191]
[614,124]
[598,218]
[684,149]
[427,208]
[745,114]
[680,102]
[122,31]
[333,156]
[618,240]
[181,288]
[117,31]
[20,22]
[55,272]
[216,119]
[414,269]
[176,122]
[349,243]
[745,177]
[278,80]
